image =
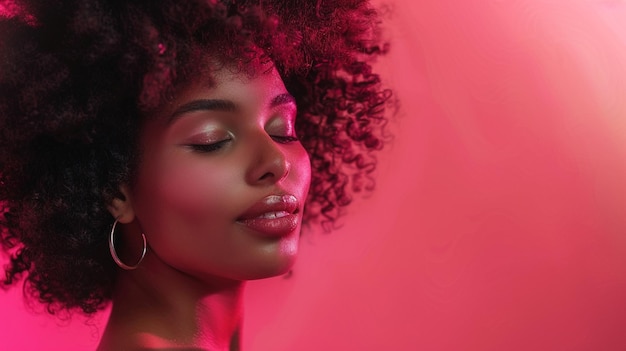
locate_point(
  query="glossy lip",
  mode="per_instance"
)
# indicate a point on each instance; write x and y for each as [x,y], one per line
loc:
[286,206]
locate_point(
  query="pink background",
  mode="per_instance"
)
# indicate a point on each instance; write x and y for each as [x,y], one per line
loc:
[500,217]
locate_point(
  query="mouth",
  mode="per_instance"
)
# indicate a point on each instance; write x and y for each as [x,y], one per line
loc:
[273,216]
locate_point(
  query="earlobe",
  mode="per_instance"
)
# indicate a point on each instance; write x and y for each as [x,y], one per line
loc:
[121,207]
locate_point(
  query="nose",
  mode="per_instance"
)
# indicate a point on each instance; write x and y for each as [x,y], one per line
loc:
[269,163]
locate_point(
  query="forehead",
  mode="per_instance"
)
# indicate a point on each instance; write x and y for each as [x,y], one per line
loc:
[235,81]
[243,88]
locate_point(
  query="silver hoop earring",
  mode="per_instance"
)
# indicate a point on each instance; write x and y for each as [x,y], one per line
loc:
[114,253]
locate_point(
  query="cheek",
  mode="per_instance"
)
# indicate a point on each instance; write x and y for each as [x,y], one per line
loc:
[196,191]
[301,167]
[184,209]
[185,190]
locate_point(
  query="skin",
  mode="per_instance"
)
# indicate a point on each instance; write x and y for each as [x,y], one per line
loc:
[202,167]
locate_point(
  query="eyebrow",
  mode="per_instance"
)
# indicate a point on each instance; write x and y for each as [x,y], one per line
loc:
[225,105]
[203,105]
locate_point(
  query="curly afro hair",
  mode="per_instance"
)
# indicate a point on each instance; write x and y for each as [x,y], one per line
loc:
[77,78]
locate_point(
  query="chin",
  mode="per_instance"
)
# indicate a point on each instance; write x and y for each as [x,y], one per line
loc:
[273,260]
[266,269]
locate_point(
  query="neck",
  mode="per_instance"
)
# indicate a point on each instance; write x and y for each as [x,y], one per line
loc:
[156,310]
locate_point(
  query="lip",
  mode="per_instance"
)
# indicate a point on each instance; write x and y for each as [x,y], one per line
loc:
[274,216]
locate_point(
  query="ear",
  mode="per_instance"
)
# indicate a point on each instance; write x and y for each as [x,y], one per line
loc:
[121,207]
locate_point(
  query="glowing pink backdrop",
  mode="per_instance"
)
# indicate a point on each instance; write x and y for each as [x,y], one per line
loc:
[500,217]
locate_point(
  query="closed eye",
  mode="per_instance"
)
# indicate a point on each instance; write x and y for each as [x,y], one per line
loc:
[206,148]
[285,139]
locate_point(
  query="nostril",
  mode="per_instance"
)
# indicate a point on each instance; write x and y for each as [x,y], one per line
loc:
[266,176]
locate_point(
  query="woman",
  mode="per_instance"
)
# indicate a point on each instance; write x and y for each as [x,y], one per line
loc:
[157,155]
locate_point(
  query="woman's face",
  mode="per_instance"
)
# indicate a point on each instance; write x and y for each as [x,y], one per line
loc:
[222,181]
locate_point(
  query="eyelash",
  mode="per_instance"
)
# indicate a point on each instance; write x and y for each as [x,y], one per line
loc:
[285,139]
[207,148]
